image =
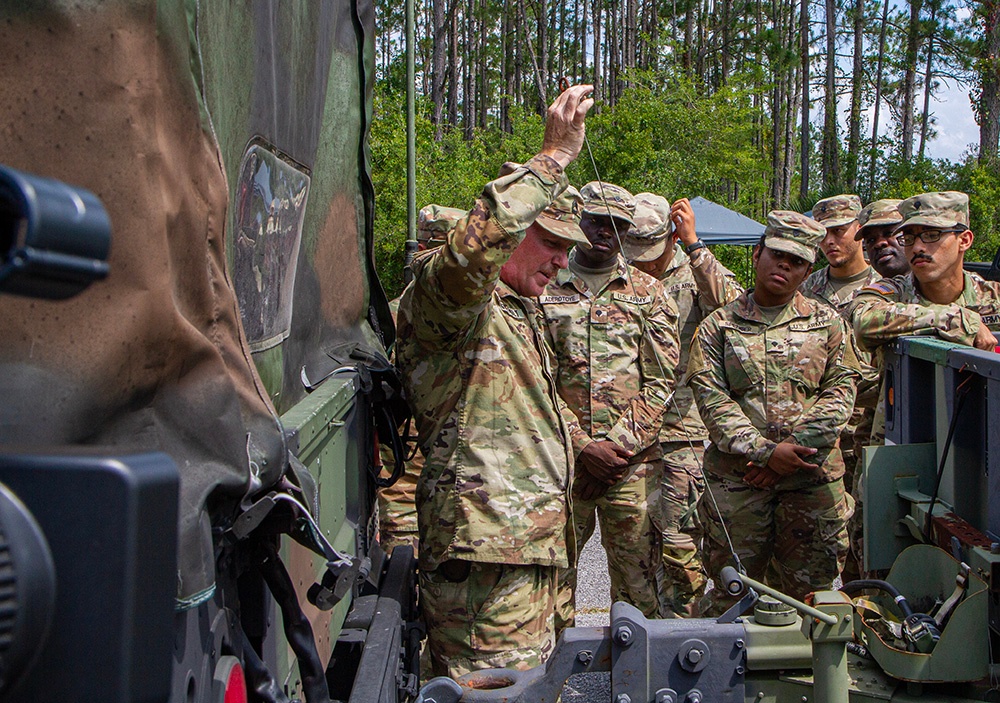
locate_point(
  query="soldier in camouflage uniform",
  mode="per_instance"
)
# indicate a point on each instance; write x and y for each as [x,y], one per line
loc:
[614,334]
[938,297]
[836,284]
[878,222]
[493,499]
[884,247]
[774,377]
[698,284]
[397,504]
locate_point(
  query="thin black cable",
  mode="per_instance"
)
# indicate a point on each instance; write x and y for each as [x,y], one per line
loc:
[962,391]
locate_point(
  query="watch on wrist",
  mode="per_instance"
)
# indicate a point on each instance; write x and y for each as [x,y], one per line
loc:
[694,246]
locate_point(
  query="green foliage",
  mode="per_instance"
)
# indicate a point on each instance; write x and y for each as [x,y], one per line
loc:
[662,136]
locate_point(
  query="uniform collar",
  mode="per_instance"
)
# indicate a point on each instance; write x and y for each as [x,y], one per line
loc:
[566,278]
[798,306]
[680,259]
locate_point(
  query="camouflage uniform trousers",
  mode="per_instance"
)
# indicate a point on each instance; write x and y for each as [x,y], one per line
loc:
[630,535]
[397,510]
[482,615]
[794,540]
[682,581]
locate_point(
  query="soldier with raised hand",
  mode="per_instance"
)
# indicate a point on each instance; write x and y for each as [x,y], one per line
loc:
[774,377]
[663,242]
[614,334]
[882,242]
[493,499]
[397,504]
[937,297]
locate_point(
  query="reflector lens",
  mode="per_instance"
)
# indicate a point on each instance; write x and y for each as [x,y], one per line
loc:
[236,686]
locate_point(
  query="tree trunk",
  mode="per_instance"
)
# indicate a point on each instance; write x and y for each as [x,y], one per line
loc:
[689,20]
[910,78]
[453,64]
[928,83]
[857,76]
[596,11]
[831,144]
[878,98]
[467,95]
[804,57]
[437,67]
[989,97]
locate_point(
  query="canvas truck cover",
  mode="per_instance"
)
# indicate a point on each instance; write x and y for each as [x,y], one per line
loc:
[227,141]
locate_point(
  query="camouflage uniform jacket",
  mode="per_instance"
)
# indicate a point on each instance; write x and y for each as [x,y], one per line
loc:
[818,287]
[893,307]
[757,384]
[617,352]
[480,382]
[698,284]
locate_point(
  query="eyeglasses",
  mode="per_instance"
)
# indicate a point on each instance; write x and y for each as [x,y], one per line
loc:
[928,236]
[871,239]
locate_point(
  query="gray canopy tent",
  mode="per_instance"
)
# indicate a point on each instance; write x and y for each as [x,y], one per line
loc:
[717,224]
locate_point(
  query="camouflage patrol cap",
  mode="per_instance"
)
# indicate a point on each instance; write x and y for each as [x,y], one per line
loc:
[619,202]
[881,212]
[946,209]
[435,221]
[794,233]
[649,235]
[837,210]
[562,217]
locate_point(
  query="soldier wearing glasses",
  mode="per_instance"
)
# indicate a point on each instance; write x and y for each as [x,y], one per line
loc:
[938,297]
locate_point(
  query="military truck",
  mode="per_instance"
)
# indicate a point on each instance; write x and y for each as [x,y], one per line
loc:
[193,376]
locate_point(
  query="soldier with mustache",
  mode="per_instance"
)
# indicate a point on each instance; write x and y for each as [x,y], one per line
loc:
[938,297]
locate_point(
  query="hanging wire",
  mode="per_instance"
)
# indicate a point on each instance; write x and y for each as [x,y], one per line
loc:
[672,399]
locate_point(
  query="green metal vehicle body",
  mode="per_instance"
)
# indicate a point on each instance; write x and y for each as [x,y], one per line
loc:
[242,330]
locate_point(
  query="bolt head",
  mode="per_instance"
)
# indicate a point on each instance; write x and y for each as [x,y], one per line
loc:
[694,656]
[624,635]
[623,698]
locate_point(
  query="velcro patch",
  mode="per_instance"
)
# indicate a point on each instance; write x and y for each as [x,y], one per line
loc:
[634,299]
[557,299]
[880,287]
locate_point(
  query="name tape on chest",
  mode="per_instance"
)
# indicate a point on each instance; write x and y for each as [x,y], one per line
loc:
[993,319]
[690,285]
[558,299]
[634,299]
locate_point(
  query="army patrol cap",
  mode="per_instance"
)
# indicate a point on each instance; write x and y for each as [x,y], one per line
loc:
[434,222]
[881,212]
[946,210]
[837,211]
[620,202]
[649,235]
[562,217]
[793,233]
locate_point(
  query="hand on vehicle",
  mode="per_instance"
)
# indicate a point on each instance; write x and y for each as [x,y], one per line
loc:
[985,339]
[564,124]
[787,458]
[605,460]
